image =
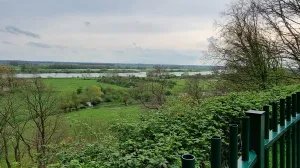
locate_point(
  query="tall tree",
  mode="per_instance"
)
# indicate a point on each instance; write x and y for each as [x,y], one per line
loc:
[282,18]
[42,109]
[250,54]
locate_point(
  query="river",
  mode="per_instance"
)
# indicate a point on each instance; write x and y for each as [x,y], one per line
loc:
[85,75]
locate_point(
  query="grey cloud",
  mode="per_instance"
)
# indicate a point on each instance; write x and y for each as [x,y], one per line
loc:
[157,56]
[7,42]
[17,31]
[75,52]
[87,23]
[43,45]
[166,7]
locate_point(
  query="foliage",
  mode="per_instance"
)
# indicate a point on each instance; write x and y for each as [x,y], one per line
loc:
[92,94]
[179,127]
[115,95]
[127,82]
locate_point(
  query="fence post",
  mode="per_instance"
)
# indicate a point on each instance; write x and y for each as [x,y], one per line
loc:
[216,152]
[257,130]
[267,129]
[233,145]
[288,134]
[282,139]
[298,129]
[275,129]
[245,138]
[188,161]
[294,145]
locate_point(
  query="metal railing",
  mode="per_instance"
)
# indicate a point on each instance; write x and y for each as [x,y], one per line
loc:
[259,135]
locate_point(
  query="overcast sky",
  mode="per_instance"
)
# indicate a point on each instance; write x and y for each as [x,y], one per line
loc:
[119,31]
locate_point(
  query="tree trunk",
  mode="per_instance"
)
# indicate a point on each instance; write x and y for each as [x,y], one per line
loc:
[5,150]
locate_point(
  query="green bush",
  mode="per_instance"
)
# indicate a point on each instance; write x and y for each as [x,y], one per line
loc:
[179,127]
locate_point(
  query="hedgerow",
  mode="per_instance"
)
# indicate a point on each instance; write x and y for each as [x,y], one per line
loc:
[179,127]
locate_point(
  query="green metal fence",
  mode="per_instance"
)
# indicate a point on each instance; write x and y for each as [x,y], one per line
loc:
[259,135]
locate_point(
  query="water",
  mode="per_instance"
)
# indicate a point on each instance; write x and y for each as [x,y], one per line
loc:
[85,75]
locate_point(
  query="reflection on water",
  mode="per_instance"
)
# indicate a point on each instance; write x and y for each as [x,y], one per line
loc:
[86,75]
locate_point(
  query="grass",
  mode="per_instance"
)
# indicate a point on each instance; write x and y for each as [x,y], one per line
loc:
[93,124]
[106,114]
[179,87]
[72,84]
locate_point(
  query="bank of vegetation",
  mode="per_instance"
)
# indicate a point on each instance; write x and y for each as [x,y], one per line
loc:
[150,122]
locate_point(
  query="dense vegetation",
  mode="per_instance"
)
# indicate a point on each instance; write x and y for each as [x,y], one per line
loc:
[178,128]
[150,122]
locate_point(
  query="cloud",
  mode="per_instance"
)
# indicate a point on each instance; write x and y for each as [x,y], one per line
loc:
[43,45]
[7,42]
[87,23]
[17,31]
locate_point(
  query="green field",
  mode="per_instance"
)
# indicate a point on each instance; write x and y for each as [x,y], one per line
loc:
[105,114]
[72,84]
[179,87]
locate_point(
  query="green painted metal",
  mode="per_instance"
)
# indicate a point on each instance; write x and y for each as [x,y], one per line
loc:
[298,130]
[294,105]
[245,138]
[298,102]
[267,119]
[298,144]
[267,162]
[282,151]
[288,149]
[275,129]
[216,152]
[188,161]
[257,129]
[287,132]
[275,155]
[282,139]
[294,146]
[248,164]
[274,117]
[274,136]
[267,129]
[288,108]
[282,110]
[288,135]
[233,146]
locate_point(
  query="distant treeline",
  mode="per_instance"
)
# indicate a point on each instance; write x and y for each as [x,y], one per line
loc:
[83,65]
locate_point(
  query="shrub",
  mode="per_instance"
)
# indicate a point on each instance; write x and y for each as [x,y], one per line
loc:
[178,127]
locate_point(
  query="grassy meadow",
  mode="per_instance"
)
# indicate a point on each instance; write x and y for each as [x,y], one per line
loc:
[72,84]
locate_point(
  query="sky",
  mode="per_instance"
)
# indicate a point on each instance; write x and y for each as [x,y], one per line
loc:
[110,31]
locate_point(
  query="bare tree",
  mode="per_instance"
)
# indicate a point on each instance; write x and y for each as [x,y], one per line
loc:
[282,18]
[193,89]
[42,109]
[152,93]
[251,56]
[7,78]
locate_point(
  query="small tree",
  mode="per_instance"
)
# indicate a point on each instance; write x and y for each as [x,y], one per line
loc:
[92,94]
[194,89]
[42,109]
[7,78]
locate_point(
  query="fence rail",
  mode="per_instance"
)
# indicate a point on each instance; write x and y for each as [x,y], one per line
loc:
[259,135]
